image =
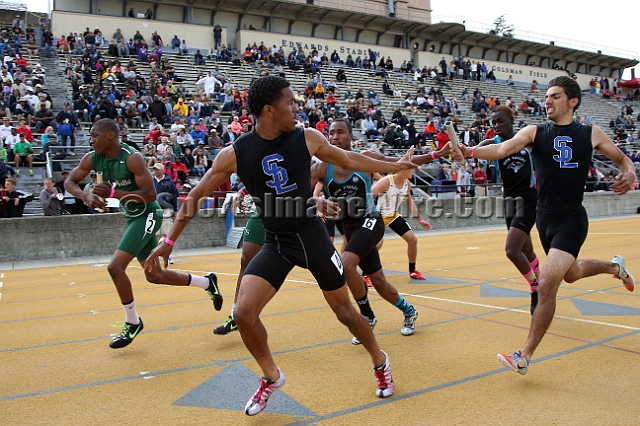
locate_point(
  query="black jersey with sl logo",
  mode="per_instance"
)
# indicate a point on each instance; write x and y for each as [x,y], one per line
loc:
[562,158]
[277,174]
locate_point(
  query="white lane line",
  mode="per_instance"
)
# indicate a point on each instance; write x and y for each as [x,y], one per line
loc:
[1,284]
[502,308]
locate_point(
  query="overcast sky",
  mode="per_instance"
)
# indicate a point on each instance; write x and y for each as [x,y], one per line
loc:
[548,19]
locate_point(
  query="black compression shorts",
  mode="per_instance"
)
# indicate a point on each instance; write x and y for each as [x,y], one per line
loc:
[332,225]
[564,230]
[310,248]
[400,226]
[522,219]
[363,237]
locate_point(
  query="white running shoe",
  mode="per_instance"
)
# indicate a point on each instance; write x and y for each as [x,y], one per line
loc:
[383,376]
[409,326]
[372,323]
[258,401]
[623,274]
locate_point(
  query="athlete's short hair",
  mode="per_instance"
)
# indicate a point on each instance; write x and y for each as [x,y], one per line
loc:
[507,111]
[265,91]
[346,122]
[570,87]
[107,124]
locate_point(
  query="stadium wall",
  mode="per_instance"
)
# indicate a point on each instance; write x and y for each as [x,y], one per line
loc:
[323,45]
[197,36]
[45,237]
[502,70]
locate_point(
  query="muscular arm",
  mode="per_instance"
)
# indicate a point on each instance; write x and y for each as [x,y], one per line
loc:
[523,138]
[485,142]
[627,176]
[77,175]
[381,186]
[318,173]
[320,147]
[147,191]
[223,165]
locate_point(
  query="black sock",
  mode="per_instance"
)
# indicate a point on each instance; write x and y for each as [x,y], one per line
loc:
[365,307]
[412,267]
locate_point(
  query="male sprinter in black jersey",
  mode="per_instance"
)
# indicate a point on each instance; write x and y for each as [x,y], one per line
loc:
[518,181]
[273,162]
[363,226]
[561,153]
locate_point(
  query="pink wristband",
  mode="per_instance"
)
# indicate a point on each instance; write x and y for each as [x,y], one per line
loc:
[433,155]
[243,192]
[473,150]
[113,192]
[168,241]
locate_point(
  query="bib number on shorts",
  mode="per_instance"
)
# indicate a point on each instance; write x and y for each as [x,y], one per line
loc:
[369,223]
[336,261]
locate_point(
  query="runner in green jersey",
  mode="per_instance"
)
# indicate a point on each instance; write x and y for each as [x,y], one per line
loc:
[125,177]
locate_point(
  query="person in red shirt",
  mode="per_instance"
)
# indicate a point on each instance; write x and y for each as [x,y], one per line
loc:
[480,178]
[245,118]
[322,126]
[23,128]
[155,134]
[442,138]
[181,170]
[331,100]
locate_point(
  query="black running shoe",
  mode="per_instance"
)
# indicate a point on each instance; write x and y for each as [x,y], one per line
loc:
[226,328]
[534,301]
[126,336]
[214,292]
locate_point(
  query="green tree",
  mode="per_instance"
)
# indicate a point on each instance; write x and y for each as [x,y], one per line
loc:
[502,28]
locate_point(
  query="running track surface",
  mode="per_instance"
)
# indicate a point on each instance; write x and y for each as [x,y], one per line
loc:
[56,366]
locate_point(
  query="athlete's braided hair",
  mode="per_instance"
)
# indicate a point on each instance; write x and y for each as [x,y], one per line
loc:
[265,91]
[570,87]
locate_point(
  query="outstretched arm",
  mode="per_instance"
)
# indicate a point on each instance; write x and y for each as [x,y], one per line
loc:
[523,138]
[223,165]
[320,147]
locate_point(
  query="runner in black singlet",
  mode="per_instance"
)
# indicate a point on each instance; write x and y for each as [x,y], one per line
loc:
[273,162]
[561,153]
[518,181]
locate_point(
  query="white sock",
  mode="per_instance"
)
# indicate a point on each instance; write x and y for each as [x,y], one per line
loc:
[233,307]
[130,313]
[198,281]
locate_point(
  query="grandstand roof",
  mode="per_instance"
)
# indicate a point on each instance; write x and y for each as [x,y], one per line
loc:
[441,32]
[13,5]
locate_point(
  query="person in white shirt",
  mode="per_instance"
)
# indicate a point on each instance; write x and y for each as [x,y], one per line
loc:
[31,98]
[464,180]
[162,146]
[5,128]
[12,139]
[208,84]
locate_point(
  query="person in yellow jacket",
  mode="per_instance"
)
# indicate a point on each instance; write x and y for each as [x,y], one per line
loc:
[180,108]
